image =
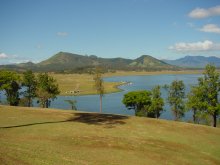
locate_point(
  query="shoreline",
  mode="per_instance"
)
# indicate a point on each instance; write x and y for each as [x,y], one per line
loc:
[145,73]
[111,87]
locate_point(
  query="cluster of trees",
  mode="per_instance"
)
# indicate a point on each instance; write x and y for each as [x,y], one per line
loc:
[22,89]
[202,99]
[145,103]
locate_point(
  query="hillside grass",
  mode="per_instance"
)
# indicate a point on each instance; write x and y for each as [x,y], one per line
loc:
[84,83]
[34,136]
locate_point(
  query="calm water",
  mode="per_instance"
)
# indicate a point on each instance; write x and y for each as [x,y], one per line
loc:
[112,103]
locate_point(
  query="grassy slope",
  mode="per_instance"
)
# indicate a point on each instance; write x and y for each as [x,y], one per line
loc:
[36,136]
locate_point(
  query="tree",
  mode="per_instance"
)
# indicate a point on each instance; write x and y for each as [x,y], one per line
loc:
[211,85]
[72,104]
[138,100]
[9,81]
[99,85]
[47,89]
[175,98]
[157,102]
[196,102]
[30,82]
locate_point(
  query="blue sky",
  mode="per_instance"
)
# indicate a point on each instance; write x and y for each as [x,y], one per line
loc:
[34,30]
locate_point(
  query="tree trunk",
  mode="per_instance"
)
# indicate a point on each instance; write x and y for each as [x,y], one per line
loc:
[214,119]
[47,103]
[100,104]
[194,115]
[29,102]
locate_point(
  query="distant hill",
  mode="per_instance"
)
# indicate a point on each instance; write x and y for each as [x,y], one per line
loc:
[69,62]
[149,61]
[194,61]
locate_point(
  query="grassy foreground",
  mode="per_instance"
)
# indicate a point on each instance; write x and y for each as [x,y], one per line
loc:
[37,136]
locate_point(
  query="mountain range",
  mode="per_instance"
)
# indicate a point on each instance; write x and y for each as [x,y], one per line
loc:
[69,62]
[75,63]
[194,61]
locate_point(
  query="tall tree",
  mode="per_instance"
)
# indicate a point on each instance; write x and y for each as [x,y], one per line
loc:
[175,98]
[99,84]
[9,81]
[47,89]
[140,101]
[157,102]
[30,82]
[211,85]
[196,102]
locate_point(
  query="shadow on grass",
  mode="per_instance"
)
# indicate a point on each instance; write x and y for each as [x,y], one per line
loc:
[107,120]
[31,124]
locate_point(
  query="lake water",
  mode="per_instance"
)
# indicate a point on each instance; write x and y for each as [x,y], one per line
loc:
[112,103]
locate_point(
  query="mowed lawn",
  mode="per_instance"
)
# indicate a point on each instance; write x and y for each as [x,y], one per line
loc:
[37,136]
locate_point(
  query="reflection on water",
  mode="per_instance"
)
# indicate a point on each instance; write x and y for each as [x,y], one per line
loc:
[112,103]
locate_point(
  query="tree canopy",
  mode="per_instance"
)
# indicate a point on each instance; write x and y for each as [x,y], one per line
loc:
[10,82]
[175,98]
[210,83]
[137,100]
[29,81]
[157,102]
[47,89]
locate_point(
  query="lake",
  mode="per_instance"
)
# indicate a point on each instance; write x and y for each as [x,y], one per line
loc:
[112,103]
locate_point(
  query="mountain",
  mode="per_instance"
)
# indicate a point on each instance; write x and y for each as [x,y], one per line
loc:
[64,61]
[148,61]
[69,62]
[194,61]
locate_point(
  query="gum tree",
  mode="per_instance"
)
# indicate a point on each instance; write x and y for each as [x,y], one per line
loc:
[30,82]
[210,82]
[157,102]
[10,83]
[99,85]
[176,94]
[139,101]
[47,89]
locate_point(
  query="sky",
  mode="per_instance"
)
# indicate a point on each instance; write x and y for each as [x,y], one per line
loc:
[34,30]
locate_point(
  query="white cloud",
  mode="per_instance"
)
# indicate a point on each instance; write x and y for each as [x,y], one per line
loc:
[12,59]
[211,28]
[204,13]
[3,56]
[195,46]
[62,34]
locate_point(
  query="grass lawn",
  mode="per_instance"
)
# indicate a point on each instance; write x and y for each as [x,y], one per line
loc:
[43,136]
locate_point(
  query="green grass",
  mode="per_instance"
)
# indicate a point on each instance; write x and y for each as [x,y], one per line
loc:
[43,136]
